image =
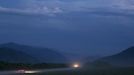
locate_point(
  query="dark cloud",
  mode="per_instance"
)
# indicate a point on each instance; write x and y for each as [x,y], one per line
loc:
[83,33]
[82,30]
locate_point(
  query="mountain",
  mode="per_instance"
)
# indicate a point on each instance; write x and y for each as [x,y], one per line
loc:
[14,56]
[124,58]
[45,55]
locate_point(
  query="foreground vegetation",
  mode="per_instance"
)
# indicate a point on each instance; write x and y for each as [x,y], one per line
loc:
[89,71]
[16,66]
[97,69]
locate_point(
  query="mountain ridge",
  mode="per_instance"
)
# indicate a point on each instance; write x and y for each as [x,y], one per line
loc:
[44,55]
[14,56]
[124,58]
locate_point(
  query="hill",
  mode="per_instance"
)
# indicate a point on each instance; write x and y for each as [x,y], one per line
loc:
[44,55]
[14,56]
[124,58]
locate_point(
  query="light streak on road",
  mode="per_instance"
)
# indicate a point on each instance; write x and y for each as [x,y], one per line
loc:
[33,71]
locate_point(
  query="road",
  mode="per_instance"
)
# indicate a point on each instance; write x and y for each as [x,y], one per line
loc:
[33,71]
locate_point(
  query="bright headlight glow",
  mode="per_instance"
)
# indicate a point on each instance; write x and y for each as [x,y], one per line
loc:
[76,65]
[28,72]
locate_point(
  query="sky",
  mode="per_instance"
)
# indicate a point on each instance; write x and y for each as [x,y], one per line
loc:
[83,27]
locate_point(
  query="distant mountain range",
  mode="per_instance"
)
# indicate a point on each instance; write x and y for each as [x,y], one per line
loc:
[13,52]
[14,56]
[124,58]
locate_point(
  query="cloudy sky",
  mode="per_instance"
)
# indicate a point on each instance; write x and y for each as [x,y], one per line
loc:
[84,27]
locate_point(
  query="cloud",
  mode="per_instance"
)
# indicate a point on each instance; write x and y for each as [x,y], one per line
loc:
[73,31]
[44,10]
[123,4]
[52,7]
